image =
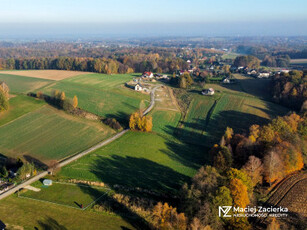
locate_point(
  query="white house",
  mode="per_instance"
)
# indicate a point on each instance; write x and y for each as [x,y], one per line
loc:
[138,87]
[263,75]
[226,80]
[209,91]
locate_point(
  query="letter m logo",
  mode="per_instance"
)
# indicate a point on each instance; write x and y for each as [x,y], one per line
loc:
[223,211]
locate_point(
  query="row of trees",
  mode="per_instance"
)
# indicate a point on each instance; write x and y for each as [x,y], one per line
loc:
[59,99]
[123,64]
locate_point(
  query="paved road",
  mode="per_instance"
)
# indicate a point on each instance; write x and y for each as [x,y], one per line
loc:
[81,154]
[152,100]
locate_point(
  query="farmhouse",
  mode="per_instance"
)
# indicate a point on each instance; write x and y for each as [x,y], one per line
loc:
[147,75]
[252,72]
[226,80]
[209,91]
[138,87]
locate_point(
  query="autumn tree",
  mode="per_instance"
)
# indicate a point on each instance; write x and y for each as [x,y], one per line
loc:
[273,225]
[242,176]
[56,94]
[4,103]
[139,122]
[273,167]
[62,97]
[239,193]
[166,217]
[253,133]
[182,83]
[223,159]
[26,170]
[228,134]
[75,102]
[133,121]
[254,169]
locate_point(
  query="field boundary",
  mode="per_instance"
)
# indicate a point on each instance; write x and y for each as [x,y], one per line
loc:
[70,206]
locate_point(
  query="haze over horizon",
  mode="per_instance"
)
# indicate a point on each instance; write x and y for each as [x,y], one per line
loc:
[79,18]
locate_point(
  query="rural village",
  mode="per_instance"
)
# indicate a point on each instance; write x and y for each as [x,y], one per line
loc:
[160,115]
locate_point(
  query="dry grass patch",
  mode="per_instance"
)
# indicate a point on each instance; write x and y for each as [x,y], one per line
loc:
[56,75]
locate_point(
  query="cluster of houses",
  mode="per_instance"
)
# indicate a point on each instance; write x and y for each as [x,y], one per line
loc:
[256,73]
[149,75]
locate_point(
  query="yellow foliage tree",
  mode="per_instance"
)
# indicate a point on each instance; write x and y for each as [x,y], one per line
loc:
[133,121]
[62,96]
[138,122]
[239,193]
[254,133]
[228,134]
[75,102]
[166,217]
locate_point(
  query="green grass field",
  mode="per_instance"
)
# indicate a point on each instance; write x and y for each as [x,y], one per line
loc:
[48,133]
[102,94]
[66,194]
[19,84]
[237,106]
[21,213]
[145,160]
[164,121]
[19,105]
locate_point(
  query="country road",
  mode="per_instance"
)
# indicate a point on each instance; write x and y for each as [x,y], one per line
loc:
[81,154]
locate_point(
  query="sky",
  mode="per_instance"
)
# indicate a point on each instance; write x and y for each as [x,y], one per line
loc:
[152,18]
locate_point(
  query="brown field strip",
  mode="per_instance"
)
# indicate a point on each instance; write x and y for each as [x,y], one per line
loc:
[55,75]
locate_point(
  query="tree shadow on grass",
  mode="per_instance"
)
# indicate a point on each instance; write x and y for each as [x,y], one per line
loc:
[50,224]
[37,163]
[121,117]
[193,141]
[137,173]
[119,209]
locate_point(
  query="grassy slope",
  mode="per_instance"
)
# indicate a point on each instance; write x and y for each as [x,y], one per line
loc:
[67,194]
[48,133]
[19,84]
[137,159]
[102,94]
[16,211]
[237,106]
[19,106]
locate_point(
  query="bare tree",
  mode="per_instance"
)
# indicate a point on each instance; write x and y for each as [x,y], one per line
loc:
[272,166]
[254,168]
[53,166]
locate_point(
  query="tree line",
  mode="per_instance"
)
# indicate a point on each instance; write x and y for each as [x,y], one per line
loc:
[123,64]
